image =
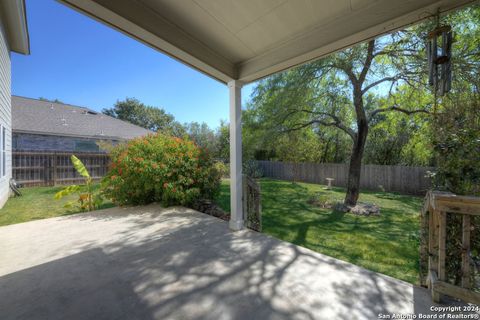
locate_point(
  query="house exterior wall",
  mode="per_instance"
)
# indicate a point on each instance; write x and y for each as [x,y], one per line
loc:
[5,113]
[38,142]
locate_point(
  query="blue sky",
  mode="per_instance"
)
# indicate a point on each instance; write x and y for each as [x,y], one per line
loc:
[80,61]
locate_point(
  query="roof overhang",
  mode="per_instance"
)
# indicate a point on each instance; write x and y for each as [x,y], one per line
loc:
[13,15]
[250,39]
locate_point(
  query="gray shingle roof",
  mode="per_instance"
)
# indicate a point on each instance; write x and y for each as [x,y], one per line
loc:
[45,117]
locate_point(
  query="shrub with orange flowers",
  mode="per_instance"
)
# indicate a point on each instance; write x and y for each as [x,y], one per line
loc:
[160,168]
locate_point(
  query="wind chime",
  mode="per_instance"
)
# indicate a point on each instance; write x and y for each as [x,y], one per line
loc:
[439,53]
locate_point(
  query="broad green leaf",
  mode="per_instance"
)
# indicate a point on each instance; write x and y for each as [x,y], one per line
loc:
[80,167]
[69,204]
[66,191]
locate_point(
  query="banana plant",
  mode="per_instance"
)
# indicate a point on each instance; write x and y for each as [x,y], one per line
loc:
[87,200]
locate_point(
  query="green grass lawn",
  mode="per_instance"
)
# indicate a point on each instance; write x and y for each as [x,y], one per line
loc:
[387,244]
[37,203]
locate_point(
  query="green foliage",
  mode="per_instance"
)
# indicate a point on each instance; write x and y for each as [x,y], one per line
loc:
[88,199]
[396,138]
[202,135]
[78,165]
[216,142]
[50,100]
[310,94]
[148,117]
[222,168]
[160,168]
[457,145]
[223,142]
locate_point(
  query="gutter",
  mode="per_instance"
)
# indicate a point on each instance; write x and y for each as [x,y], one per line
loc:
[97,137]
[13,14]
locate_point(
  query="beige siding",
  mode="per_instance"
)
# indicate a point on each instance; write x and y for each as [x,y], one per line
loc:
[5,110]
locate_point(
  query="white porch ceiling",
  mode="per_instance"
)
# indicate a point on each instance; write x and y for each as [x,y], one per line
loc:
[250,39]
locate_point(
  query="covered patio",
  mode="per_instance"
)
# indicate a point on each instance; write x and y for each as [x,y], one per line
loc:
[175,263]
[155,263]
[238,42]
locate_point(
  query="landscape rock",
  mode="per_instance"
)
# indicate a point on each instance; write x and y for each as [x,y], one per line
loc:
[341,207]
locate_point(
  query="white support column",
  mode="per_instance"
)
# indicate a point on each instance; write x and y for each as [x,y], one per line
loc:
[236,211]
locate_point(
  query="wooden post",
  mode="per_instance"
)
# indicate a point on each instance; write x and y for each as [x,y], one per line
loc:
[442,234]
[54,165]
[431,241]
[465,251]
[46,172]
[433,253]
[245,197]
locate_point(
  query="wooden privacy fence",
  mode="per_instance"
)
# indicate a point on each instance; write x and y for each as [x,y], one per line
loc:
[434,224]
[403,179]
[33,168]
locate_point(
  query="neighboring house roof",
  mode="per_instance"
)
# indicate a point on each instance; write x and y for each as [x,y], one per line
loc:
[13,15]
[45,117]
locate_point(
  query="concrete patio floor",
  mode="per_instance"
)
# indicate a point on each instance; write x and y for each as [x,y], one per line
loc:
[175,263]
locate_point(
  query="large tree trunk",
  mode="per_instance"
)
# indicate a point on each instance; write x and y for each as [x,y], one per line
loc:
[355,167]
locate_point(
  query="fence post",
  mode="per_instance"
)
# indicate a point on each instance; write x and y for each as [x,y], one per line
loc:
[54,175]
[28,167]
[45,170]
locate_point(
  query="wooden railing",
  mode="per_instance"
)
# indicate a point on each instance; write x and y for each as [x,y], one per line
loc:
[252,209]
[434,219]
[48,168]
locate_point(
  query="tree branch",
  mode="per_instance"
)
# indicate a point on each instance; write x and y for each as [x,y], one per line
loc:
[368,61]
[395,108]
[376,83]
[335,123]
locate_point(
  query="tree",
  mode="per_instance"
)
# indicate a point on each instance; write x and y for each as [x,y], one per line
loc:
[222,149]
[339,92]
[457,145]
[360,87]
[202,135]
[148,117]
[399,139]
[50,100]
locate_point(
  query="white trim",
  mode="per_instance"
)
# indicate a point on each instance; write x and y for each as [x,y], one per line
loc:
[14,14]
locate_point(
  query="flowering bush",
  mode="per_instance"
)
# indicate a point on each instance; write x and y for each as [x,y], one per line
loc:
[160,168]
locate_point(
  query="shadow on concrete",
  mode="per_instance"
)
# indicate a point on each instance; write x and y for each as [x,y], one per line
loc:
[152,263]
